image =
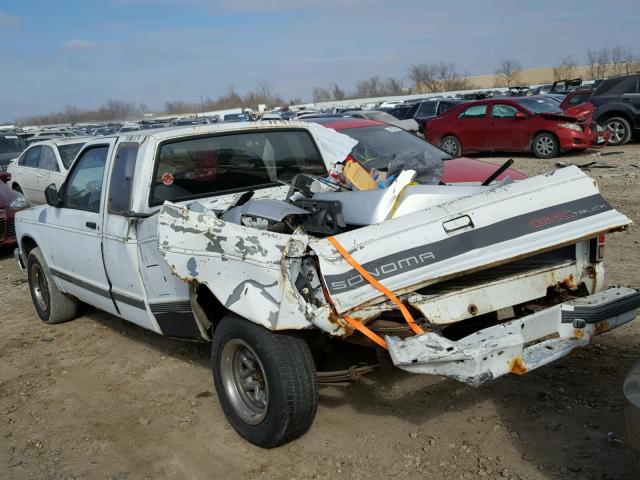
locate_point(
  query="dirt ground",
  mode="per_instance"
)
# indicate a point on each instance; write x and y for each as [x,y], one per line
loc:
[98,398]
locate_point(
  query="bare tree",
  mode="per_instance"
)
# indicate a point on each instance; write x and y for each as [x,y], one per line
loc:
[320,94]
[393,86]
[450,79]
[565,70]
[598,63]
[337,93]
[508,73]
[424,78]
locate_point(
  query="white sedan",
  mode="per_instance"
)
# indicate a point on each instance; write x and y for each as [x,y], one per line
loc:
[42,164]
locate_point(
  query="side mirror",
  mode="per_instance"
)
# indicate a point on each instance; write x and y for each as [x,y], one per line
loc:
[521,116]
[51,194]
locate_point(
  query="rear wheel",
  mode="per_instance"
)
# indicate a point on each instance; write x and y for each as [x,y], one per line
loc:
[451,145]
[619,130]
[52,305]
[545,145]
[266,381]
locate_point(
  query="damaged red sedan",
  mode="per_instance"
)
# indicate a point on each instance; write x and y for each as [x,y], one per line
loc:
[523,124]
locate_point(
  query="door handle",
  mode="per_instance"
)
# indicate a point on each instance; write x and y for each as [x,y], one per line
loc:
[91,225]
[626,100]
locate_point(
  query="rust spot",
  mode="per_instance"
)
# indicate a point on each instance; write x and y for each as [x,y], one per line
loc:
[516,366]
[578,332]
[601,328]
[570,282]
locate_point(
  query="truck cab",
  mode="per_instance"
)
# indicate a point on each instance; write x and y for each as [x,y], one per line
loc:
[234,234]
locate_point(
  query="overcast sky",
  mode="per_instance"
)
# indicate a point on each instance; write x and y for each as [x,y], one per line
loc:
[77,52]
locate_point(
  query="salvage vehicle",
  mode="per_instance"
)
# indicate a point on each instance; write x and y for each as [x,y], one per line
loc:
[617,102]
[378,145]
[42,164]
[525,124]
[10,202]
[235,234]
[11,146]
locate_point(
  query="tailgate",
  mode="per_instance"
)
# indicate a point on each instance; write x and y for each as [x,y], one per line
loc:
[468,234]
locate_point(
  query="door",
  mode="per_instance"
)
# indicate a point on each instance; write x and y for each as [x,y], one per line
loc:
[27,177]
[48,164]
[507,132]
[120,242]
[74,235]
[471,128]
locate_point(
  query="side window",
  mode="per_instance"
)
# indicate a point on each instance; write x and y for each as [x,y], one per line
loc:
[500,110]
[476,111]
[122,178]
[48,159]
[84,185]
[427,108]
[444,106]
[31,157]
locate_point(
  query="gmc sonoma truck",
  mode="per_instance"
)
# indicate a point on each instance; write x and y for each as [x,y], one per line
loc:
[232,234]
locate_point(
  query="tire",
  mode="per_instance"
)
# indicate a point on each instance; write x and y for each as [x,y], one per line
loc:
[545,145]
[52,305]
[281,364]
[619,130]
[17,188]
[451,145]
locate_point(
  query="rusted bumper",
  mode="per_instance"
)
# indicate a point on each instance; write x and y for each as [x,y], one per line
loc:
[520,345]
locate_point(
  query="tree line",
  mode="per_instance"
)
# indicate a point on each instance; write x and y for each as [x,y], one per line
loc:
[421,78]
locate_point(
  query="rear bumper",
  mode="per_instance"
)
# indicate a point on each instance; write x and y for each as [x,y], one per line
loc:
[520,345]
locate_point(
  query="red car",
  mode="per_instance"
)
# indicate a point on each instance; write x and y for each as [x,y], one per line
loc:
[520,124]
[10,202]
[383,141]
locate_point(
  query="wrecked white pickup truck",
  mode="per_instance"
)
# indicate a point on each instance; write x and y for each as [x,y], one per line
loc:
[232,233]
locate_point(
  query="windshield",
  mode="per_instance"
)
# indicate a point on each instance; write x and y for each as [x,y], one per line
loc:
[540,105]
[69,152]
[11,144]
[222,164]
[380,144]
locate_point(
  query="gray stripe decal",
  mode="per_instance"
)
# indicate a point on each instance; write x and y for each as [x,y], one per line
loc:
[134,302]
[183,306]
[504,230]
[80,283]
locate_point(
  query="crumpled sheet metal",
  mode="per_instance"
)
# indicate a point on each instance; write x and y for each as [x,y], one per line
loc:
[241,265]
[515,347]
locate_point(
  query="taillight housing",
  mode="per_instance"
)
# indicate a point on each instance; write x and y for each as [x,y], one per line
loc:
[596,249]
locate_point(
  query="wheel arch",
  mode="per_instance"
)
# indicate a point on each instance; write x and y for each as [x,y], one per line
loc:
[208,309]
[614,112]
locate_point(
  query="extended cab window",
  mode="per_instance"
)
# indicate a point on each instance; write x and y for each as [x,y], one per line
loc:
[476,111]
[84,185]
[122,178]
[220,164]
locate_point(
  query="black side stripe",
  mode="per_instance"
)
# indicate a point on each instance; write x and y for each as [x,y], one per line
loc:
[134,302]
[76,281]
[502,231]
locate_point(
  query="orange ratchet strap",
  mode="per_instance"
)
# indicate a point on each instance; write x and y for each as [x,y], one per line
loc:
[377,285]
